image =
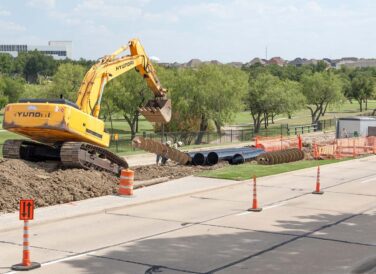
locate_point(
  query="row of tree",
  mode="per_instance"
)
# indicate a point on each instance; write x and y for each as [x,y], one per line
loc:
[203,98]
[34,66]
[213,94]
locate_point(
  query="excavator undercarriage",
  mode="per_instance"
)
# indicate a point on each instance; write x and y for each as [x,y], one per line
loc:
[70,154]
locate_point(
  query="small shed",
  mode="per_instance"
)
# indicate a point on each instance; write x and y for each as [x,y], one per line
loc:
[356,126]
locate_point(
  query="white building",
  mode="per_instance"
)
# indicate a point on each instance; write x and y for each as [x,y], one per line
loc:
[57,49]
[358,126]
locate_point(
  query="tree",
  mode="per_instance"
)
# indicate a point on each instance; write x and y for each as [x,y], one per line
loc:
[36,91]
[6,63]
[320,90]
[269,96]
[127,93]
[34,63]
[258,102]
[181,85]
[207,93]
[285,98]
[361,88]
[10,90]
[228,94]
[67,81]
[3,97]
[320,66]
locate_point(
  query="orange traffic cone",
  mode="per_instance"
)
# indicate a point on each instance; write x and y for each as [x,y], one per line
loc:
[318,191]
[254,207]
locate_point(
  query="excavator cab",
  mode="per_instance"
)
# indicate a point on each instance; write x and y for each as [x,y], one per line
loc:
[157,110]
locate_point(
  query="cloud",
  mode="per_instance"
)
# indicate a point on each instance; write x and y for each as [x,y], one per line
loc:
[109,9]
[42,3]
[8,26]
[4,12]
[313,6]
[207,29]
[216,9]
[155,58]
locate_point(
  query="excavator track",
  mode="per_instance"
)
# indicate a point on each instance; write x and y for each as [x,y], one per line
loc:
[11,149]
[70,154]
[87,156]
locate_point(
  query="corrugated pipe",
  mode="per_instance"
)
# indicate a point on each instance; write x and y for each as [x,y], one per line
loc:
[233,156]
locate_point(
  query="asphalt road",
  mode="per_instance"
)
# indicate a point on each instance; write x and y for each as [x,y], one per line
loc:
[211,231]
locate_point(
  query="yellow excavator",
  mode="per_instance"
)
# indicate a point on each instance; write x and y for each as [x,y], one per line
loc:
[72,133]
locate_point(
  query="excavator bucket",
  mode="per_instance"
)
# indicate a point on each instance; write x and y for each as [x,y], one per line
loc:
[157,110]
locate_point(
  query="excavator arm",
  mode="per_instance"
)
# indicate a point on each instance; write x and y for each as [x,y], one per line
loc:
[111,66]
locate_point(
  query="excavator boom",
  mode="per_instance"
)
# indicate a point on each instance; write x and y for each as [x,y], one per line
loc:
[110,67]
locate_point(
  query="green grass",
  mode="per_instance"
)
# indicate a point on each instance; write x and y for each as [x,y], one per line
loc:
[5,135]
[304,116]
[246,171]
[122,128]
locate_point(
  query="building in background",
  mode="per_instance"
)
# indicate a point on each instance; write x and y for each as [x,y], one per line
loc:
[57,49]
[357,126]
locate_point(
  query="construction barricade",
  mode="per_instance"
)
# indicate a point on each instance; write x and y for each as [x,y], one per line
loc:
[270,144]
[345,148]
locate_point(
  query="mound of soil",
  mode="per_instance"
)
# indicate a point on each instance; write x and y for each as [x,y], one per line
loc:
[48,184]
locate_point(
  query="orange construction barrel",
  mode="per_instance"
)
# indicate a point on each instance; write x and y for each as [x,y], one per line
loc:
[126,182]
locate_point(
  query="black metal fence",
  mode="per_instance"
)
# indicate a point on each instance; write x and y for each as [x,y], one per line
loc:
[124,142]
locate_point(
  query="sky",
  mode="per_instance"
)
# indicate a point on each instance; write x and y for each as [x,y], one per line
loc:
[180,30]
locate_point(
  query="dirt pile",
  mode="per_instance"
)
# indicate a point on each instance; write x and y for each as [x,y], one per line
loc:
[171,170]
[318,137]
[48,184]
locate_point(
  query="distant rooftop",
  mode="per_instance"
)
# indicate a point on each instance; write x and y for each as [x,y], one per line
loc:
[56,49]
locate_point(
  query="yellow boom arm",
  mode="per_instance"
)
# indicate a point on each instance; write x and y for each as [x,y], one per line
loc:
[111,66]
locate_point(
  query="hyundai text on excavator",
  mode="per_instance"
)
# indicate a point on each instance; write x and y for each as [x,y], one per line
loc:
[72,133]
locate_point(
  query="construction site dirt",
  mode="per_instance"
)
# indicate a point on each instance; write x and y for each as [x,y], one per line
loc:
[48,184]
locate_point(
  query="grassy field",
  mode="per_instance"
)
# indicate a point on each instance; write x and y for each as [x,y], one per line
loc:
[121,126]
[246,171]
[304,116]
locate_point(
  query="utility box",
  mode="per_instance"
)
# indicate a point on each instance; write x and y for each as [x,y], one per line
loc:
[357,126]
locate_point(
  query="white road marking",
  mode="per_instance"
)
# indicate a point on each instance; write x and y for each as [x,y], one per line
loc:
[275,205]
[243,213]
[367,180]
[66,259]
[58,261]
